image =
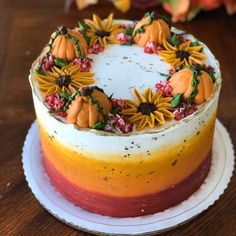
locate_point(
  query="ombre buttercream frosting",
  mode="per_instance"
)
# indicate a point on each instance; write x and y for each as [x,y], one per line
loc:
[100,167]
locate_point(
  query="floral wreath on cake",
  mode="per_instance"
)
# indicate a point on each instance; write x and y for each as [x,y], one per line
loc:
[66,82]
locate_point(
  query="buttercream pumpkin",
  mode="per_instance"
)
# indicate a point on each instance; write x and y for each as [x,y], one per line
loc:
[64,47]
[182,83]
[88,108]
[155,31]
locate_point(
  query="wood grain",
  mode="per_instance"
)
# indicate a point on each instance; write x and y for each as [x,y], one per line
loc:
[25,27]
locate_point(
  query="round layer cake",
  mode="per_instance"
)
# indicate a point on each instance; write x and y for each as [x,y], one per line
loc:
[126,112]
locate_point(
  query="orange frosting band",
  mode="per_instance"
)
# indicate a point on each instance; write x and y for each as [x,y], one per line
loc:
[117,176]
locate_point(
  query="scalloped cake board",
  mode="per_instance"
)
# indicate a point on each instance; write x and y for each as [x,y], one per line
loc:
[215,184]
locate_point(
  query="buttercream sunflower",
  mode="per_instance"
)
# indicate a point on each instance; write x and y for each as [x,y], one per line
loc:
[67,79]
[150,109]
[183,54]
[102,31]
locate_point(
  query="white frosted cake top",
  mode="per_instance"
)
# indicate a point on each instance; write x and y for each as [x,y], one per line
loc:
[118,70]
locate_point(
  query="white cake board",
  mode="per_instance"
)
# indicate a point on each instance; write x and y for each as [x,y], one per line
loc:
[215,184]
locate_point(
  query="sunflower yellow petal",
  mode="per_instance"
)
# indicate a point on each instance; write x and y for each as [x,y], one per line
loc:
[98,22]
[159,117]
[56,70]
[196,61]
[139,96]
[166,113]
[129,111]
[90,24]
[195,48]
[148,95]
[185,46]
[136,117]
[142,124]
[151,121]
[108,21]
[168,46]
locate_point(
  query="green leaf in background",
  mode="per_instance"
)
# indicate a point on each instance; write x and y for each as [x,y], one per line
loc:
[177,99]
[172,2]
[59,62]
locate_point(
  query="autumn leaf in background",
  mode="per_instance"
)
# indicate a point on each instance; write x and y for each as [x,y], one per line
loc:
[122,5]
[185,10]
[180,10]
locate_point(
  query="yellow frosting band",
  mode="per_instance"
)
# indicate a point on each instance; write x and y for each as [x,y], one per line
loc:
[116,176]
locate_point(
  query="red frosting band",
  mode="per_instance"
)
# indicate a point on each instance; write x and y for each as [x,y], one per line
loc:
[129,206]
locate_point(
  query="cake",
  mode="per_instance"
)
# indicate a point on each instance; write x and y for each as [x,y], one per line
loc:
[126,112]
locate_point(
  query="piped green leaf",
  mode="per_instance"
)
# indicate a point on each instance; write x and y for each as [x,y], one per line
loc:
[59,62]
[100,125]
[41,72]
[195,43]
[173,40]
[83,27]
[115,111]
[164,75]
[177,99]
[129,31]
[65,95]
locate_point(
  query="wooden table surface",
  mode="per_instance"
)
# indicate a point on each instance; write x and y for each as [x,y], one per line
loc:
[25,27]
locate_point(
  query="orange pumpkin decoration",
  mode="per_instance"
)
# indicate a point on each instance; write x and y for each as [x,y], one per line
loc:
[84,112]
[63,47]
[154,32]
[181,82]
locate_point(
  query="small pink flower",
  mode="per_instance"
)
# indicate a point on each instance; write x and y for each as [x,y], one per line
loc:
[56,103]
[164,89]
[95,48]
[150,48]
[123,38]
[47,63]
[119,123]
[119,103]
[182,111]
[83,63]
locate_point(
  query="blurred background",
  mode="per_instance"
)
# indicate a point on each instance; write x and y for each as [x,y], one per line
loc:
[26,26]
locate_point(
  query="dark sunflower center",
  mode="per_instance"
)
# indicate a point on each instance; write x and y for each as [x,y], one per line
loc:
[146,108]
[102,33]
[182,54]
[64,80]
